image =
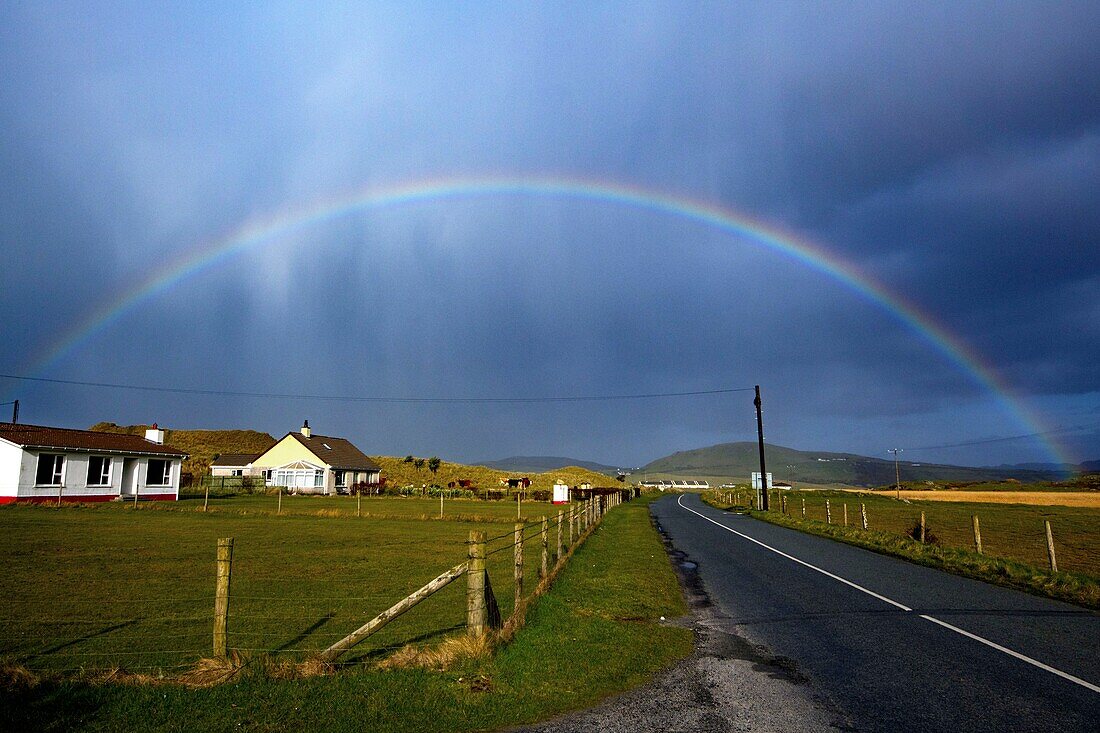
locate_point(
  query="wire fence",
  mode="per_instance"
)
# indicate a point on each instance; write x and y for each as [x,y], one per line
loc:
[1011,531]
[88,591]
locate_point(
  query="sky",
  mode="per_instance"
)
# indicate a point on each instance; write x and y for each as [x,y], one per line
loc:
[944,156]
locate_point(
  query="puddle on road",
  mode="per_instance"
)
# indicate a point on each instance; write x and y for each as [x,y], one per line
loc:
[715,633]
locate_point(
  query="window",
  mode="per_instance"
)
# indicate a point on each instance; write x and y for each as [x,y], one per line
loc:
[299,478]
[158,473]
[49,469]
[341,478]
[99,471]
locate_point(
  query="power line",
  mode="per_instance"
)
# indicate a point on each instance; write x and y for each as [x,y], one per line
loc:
[392,400]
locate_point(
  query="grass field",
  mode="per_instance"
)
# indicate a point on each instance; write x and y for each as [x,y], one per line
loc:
[594,633]
[107,585]
[1035,498]
[1013,531]
[1013,537]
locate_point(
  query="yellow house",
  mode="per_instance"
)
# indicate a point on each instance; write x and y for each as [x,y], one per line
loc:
[315,464]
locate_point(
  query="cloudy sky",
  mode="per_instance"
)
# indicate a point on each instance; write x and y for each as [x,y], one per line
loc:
[948,154]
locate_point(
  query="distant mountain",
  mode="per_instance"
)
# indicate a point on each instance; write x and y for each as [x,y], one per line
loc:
[1055,467]
[542,464]
[737,461]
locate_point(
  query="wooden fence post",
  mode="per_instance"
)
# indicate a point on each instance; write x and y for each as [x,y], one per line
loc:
[977,534]
[223,574]
[279,510]
[519,514]
[572,517]
[545,550]
[477,612]
[863,511]
[803,508]
[1050,548]
[558,553]
[441,503]
[923,528]
[518,556]
[828,513]
[845,514]
[206,497]
[359,503]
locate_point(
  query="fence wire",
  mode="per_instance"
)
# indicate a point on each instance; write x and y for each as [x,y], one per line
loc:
[138,618]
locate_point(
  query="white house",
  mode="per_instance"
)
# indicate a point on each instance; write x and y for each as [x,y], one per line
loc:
[40,463]
[315,464]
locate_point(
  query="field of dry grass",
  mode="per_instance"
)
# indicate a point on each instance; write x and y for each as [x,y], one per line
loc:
[1033,498]
[1010,529]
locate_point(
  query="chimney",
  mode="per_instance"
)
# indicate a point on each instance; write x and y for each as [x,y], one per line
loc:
[306,432]
[155,435]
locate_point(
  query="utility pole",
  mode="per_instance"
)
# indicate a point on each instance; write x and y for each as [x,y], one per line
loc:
[760,440]
[897,473]
[14,410]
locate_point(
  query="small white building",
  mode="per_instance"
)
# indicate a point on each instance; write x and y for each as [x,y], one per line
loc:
[233,464]
[39,464]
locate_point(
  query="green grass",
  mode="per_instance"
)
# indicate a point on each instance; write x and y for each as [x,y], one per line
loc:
[379,507]
[1013,538]
[592,635]
[108,585]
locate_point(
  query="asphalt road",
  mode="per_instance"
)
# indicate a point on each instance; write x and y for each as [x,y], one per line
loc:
[887,645]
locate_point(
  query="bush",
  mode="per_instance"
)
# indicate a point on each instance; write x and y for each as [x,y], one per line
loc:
[929,537]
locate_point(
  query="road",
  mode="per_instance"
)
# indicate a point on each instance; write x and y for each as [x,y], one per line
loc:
[888,645]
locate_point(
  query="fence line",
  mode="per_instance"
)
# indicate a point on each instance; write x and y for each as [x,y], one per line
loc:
[241,618]
[1029,541]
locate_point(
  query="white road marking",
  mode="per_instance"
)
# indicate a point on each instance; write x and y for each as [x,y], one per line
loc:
[944,624]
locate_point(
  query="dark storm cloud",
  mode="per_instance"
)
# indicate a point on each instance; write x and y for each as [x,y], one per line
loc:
[950,152]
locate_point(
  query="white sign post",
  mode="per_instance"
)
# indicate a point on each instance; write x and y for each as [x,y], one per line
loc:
[759,489]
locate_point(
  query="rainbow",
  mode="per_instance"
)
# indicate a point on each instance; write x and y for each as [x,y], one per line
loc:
[254,233]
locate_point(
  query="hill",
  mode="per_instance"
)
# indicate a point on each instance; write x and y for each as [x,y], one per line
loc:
[201,445]
[737,461]
[397,471]
[1067,468]
[541,464]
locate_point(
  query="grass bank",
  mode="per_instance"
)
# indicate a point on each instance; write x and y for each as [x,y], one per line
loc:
[595,633]
[896,519]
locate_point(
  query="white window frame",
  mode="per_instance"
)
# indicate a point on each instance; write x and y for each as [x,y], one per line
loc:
[104,477]
[298,478]
[57,473]
[167,478]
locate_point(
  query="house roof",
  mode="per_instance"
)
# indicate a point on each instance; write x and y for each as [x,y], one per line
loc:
[336,452]
[40,436]
[235,459]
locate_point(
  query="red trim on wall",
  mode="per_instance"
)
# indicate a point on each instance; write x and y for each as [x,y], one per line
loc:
[82,498]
